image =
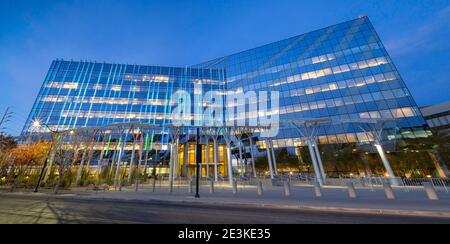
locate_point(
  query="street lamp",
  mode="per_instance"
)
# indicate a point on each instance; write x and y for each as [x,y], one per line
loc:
[197,163]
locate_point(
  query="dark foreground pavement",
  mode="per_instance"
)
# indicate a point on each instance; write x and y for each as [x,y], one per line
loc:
[15,209]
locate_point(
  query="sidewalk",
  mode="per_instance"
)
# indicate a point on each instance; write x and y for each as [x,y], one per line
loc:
[334,199]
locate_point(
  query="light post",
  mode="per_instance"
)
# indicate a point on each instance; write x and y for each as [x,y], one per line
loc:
[197,164]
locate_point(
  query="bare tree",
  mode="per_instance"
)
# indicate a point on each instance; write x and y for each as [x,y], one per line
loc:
[66,153]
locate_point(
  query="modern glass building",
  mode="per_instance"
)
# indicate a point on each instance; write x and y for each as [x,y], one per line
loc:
[340,72]
[87,94]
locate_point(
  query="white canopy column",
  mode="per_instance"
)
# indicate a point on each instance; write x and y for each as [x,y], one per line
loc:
[269,158]
[374,128]
[309,129]
[133,154]
[252,155]
[119,158]
[174,133]
[102,155]
[319,159]
[207,154]
[274,159]
[226,132]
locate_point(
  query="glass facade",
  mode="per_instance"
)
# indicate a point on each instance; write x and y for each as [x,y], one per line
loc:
[86,94]
[340,72]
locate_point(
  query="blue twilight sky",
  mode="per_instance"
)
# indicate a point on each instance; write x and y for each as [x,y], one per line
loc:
[183,32]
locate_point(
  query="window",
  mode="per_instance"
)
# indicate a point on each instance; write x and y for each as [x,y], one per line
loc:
[397,113]
[375,115]
[70,85]
[386,114]
[408,112]
[364,115]
[116,88]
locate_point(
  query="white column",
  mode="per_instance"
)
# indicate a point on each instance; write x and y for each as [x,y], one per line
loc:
[177,161]
[241,159]
[146,159]
[186,159]
[230,167]
[216,159]
[51,159]
[319,161]
[275,167]
[171,162]
[141,153]
[314,161]
[119,162]
[80,168]
[102,154]
[207,157]
[440,167]
[133,152]
[253,157]
[386,163]
[269,158]
[115,155]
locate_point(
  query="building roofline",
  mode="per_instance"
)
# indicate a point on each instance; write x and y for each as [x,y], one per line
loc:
[285,39]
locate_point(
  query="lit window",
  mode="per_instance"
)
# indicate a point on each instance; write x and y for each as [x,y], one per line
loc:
[116,88]
[70,85]
[375,115]
[327,71]
[161,78]
[397,113]
[408,112]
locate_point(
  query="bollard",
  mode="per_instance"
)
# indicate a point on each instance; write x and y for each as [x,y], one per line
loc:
[388,190]
[317,189]
[260,188]
[287,189]
[136,185]
[190,186]
[211,187]
[351,190]
[431,192]
[235,187]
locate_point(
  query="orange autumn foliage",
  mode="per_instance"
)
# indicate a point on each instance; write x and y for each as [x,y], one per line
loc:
[31,154]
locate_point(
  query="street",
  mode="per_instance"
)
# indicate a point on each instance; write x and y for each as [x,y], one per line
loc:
[17,209]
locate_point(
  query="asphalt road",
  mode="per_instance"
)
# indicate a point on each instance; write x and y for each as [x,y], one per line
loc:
[48,210]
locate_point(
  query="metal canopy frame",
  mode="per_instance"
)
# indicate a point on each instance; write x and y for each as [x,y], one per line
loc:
[309,129]
[375,128]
